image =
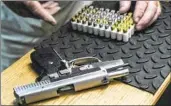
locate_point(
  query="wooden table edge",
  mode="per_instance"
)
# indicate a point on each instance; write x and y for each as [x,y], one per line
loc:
[161,89]
[155,98]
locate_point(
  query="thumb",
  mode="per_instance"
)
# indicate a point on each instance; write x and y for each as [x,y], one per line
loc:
[38,10]
[124,6]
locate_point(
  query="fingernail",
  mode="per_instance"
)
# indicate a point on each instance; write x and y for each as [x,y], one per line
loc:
[53,21]
[137,19]
[121,10]
[138,27]
[59,8]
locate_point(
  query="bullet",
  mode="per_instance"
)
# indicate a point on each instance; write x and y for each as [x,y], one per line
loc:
[101,29]
[121,17]
[96,28]
[110,22]
[118,13]
[90,27]
[120,33]
[113,32]
[132,29]
[93,11]
[129,30]
[81,17]
[107,31]
[125,35]
[79,25]
[101,9]
[107,10]
[79,13]
[85,25]
[105,22]
[91,7]
[74,23]
[132,26]
[113,12]
[88,10]
[96,9]
[86,6]
[130,14]
[83,9]
[76,15]
[98,21]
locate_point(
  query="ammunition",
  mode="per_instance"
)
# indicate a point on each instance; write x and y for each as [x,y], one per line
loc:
[113,32]
[125,14]
[130,14]
[115,15]
[96,9]
[119,19]
[107,31]
[85,25]
[125,34]
[86,6]
[113,11]
[107,10]
[79,13]
[131,25]
[81,17]
[120,33]
[83,9]
[96,28]
[121,16]
[79,24]
[101,9]
[102,29]
[74,23]
[93,11]
[129,30]
[91,7]
[98,21]
[104,22]
[118,12]
[132,28]
[110,22]
[90,27]
[88,11]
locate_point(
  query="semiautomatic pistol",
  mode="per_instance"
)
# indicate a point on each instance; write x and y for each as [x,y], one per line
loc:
[75,75]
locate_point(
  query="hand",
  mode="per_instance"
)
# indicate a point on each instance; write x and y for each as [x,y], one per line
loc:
[45,10]
[145,13]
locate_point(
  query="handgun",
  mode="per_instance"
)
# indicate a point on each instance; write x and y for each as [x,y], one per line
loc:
[75,75]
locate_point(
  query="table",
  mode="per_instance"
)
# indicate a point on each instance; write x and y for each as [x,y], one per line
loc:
[116,93]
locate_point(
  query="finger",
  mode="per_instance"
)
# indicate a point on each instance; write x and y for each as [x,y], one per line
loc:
[156,16]
[139,10]
[47,4]
[53,10]
[55,4]
[148,15]
[40,11]
[124,6]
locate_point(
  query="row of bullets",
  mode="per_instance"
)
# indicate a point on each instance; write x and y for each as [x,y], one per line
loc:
[104,22]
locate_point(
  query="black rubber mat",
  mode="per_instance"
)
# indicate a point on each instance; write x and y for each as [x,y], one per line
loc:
[148,52]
